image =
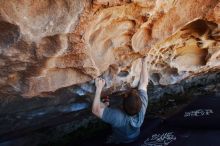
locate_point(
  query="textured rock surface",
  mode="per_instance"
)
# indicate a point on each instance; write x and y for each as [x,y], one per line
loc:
[48,45]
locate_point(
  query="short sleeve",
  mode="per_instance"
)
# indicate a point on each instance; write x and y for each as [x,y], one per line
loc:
[115,117]
[144,99]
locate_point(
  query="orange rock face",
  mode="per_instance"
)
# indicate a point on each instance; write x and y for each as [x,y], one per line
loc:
[47,45]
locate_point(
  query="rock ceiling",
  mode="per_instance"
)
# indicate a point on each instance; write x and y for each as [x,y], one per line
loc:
[46,45]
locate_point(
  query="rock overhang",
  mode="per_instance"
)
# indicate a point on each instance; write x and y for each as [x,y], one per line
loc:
[47,46]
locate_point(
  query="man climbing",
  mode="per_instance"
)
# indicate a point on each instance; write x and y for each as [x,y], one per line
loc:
[125,123]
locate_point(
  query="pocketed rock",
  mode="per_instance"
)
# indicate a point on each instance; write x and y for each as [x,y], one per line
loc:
[48,45]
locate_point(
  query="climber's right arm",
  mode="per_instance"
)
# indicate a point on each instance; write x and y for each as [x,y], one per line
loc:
[144,76]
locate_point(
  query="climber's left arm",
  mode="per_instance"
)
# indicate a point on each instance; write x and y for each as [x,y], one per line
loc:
[98,107]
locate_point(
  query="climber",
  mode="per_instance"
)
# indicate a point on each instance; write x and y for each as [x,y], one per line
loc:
[125,123]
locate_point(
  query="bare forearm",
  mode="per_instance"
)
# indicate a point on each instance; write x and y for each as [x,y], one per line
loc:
[144,77]
[97,101]
[143,81]
[97,109]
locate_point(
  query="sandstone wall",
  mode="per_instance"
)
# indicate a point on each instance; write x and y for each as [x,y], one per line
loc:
[47,45]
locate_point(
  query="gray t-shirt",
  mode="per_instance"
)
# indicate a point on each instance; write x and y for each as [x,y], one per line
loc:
[126,128]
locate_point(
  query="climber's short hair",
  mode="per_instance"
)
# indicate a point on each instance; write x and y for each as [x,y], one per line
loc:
[132,102]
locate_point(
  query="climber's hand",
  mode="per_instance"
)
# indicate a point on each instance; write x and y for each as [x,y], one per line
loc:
[147,62]
[99,83]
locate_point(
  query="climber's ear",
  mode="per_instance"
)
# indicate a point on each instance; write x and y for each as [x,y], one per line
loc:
[125,95]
